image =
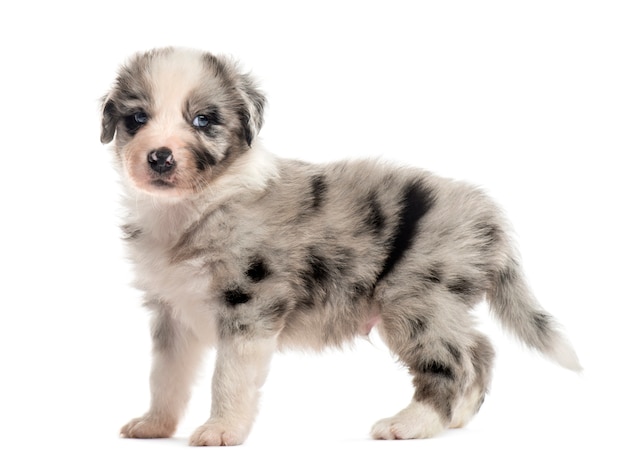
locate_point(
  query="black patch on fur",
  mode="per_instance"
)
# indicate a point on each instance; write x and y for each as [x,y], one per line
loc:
[416,202]
[437,391]
[257,99]
[236,296]
[131,96]
[319,189]
[132,126]
[110,109]
[323,269]
[438,369]
[507,276]
[455,353]
[432,275]
[203,158]
[216,65]
[375,219]
[488,233]
[212,113]
[435,383]
[257,270]
[460,286]
[417,326]
[318,271]
[246,131]
[542,321]
[361,289]
[214,116]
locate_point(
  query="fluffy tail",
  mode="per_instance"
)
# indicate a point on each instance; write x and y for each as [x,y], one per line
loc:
[514,305]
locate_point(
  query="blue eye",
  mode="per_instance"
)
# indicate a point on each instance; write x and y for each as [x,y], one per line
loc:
[140,117]
[135,121]
[200,120]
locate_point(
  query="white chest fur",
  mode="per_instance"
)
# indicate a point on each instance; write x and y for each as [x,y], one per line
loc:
[185,287]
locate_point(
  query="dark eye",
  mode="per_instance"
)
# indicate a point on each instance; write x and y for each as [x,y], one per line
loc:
[135,121]
[200,120]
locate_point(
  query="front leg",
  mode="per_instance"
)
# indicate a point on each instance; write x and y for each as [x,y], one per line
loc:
[176,355]
[241,368]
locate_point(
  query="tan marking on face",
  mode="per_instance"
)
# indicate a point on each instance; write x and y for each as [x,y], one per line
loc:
[173,78]
[182,180]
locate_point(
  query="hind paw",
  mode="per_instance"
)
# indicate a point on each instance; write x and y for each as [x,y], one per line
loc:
[417,421]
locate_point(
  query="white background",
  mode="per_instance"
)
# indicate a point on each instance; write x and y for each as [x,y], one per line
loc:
[527,99]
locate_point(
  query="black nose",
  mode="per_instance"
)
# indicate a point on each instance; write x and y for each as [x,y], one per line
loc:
[161,160]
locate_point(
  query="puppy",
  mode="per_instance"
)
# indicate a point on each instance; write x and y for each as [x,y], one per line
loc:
[249,253]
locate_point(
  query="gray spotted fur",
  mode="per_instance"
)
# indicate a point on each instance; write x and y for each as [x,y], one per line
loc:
[319,253]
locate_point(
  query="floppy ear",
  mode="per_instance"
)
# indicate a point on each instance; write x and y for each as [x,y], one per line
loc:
[251,114]
[109,120]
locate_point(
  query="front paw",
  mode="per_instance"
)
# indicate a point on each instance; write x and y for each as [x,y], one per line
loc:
[148,427]
[218,433]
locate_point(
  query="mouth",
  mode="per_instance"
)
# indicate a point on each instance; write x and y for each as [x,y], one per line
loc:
[161,184]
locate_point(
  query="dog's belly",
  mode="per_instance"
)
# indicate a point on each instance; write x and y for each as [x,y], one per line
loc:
[318,328]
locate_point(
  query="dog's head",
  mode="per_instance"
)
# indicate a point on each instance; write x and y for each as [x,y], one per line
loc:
[180,117]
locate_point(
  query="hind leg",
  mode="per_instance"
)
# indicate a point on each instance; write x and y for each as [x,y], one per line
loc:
[438,346]
[482,354]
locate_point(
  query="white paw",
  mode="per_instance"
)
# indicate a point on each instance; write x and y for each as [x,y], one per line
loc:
[148,427]
[417,421]
[218,433]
